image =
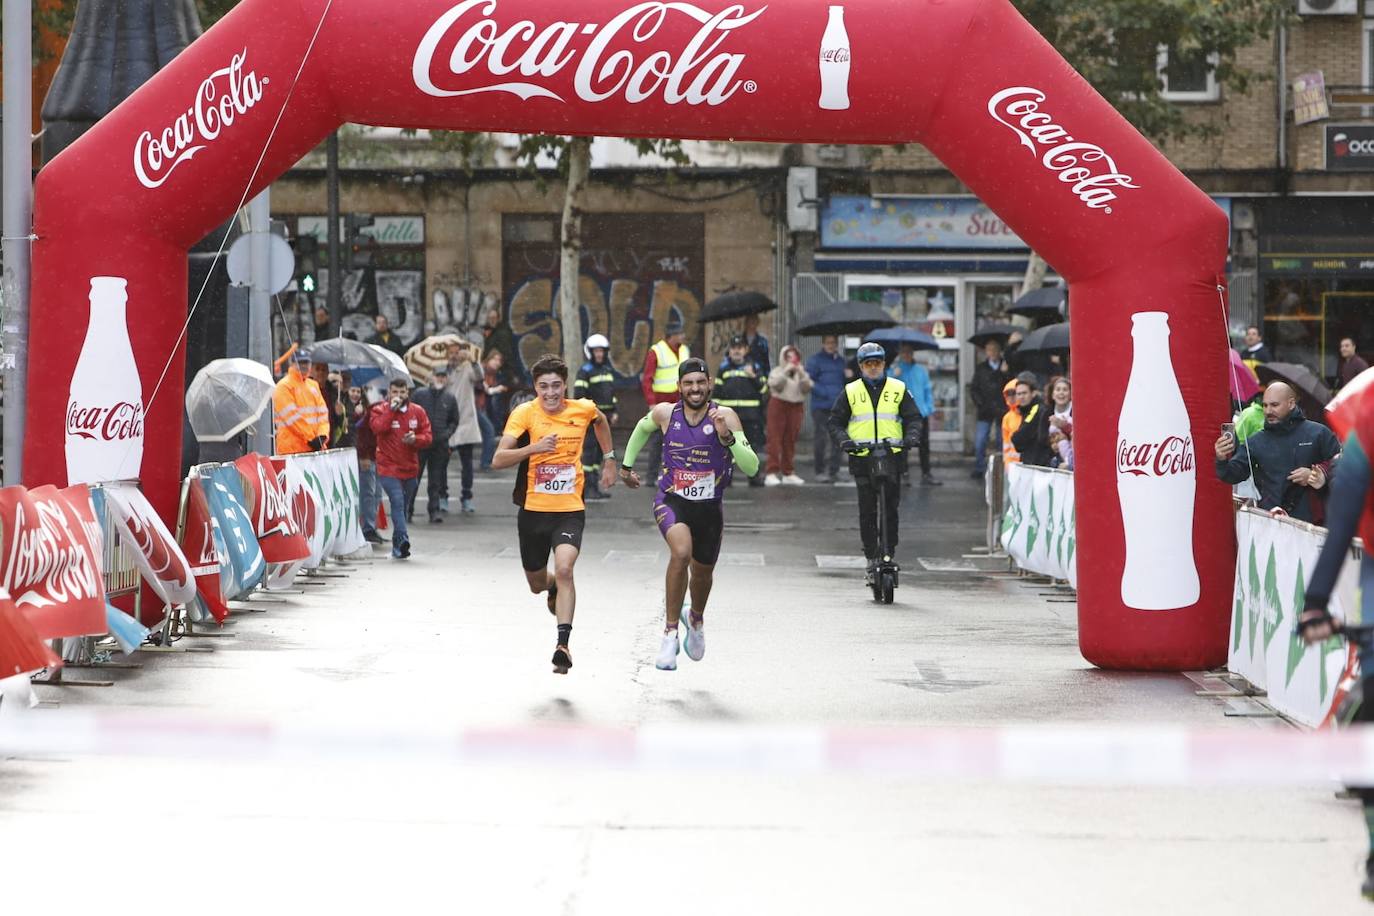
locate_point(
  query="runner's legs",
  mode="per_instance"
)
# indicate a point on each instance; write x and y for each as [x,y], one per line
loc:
[564,558]
[679,538]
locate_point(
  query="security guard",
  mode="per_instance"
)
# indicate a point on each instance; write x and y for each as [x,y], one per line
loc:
[871,408]
[596,382]
[741,385]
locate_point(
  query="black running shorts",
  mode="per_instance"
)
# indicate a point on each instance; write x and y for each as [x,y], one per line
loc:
[705,520]
[541,532]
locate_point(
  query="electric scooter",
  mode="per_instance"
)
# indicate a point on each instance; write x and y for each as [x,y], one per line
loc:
[885,467]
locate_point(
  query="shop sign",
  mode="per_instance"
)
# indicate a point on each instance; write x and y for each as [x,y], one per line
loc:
[387,230]
[925,222]
[1309,98]
[1317,264]
[1350,147]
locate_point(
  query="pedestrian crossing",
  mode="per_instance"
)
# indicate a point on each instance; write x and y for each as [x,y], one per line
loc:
[759,560]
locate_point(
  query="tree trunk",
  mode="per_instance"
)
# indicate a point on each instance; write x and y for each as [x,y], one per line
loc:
[1035,274]
[569,298]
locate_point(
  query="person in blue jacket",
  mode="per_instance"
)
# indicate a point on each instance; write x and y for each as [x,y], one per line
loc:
[828,377]
[917,380]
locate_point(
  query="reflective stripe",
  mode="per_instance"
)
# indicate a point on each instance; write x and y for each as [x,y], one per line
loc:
[665,369]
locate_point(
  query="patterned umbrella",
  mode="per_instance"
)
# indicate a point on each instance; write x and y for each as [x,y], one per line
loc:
[425,356]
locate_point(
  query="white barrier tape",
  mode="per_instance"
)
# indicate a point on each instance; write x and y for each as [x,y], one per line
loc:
[1165,756]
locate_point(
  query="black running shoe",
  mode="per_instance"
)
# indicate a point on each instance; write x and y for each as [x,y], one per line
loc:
[562,660]
[553,597]
[405,549]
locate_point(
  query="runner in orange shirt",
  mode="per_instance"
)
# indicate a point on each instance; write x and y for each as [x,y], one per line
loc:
[545,438]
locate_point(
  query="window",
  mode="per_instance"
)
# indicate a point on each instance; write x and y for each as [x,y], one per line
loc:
[1187,77]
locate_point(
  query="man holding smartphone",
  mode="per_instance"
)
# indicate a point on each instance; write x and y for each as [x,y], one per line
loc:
[1289,459]
[403,431]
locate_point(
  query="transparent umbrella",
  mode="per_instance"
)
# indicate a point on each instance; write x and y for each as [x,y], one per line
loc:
[393,366]
[227,397]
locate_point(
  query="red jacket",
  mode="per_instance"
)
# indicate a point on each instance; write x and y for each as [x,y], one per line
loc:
[394,457]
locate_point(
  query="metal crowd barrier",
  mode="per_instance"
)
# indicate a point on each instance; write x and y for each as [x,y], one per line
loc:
[121,576]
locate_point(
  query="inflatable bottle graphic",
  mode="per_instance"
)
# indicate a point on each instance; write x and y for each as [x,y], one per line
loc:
[835,63]
[104,439]
[1156,476]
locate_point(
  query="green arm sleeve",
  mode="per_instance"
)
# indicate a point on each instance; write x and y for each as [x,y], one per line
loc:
[642,431]
[744,455]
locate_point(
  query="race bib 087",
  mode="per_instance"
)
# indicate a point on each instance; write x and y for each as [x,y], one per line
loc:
[694,485]
[555,479]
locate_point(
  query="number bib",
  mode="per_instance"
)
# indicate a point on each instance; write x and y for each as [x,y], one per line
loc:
[696,486]
[555,479]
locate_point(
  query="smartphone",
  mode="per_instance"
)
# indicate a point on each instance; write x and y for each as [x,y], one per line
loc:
[1229,429]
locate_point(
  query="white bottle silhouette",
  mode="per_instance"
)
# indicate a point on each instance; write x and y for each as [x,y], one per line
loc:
[1156,476]
[105,406]
[835,63]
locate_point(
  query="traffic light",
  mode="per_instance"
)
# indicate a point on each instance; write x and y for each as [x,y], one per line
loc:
[307,263]
[359,247]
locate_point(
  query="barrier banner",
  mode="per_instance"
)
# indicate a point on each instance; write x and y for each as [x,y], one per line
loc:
[50,563]
[306,512]
[205,549]
[281,576]
[1038,521]
[332,477]
[159,557]
[265,486]
[1273,563]
[229,508]
[21,650]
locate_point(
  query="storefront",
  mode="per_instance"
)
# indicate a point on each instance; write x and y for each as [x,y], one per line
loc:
[942,265]
[1316,278]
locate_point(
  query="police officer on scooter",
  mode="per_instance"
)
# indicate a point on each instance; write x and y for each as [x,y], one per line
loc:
[871,408]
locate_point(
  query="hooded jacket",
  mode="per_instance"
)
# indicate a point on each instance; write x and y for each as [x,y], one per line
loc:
[1273,453]
[396,458]
[1011,421]
[299,413]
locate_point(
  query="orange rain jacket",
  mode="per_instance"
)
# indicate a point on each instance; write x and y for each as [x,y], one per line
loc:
[299,413]
[1011,422]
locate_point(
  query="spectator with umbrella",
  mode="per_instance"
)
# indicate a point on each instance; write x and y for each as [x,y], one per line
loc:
[990,376]
[828,375]
[758,345]
[464,381]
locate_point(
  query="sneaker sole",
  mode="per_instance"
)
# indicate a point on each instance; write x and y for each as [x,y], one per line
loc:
[562,661]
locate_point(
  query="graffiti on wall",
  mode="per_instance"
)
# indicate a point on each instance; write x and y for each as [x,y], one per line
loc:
[639,272]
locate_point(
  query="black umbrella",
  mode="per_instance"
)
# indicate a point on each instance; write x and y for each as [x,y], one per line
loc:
[1050,337]
[1050,300]
[997,332]
[845,318]
[1312,394]
[737,304]
[898,336]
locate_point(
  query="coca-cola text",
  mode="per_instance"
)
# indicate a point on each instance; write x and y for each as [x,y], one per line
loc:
[835,55]
[224,96]
[1155,459]
[46,563]
[122,421]
[1091,172]
[696,73]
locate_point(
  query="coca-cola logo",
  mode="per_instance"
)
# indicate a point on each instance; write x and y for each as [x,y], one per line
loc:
[274,505]
[120,422]
[1090,172]
[482,50]
[48,563]
[223,97]
[834,55]
[1174,455]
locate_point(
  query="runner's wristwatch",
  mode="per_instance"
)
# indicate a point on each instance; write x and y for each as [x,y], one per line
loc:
[610,456]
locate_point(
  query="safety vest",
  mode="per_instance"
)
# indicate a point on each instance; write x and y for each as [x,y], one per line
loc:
[869,423]
[665,370]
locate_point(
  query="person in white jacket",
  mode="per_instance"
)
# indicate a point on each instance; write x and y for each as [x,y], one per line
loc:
[790,386]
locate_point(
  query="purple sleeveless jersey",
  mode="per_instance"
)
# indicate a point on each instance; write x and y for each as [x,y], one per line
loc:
[696,466]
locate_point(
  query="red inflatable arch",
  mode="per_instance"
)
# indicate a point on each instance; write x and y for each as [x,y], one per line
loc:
[969,79]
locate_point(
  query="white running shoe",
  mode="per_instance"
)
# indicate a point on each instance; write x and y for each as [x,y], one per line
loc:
[793,480]
[694,638]
[772,480]
[667,653]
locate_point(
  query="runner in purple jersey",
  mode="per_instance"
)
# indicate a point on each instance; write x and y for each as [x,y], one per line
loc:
[701,442]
